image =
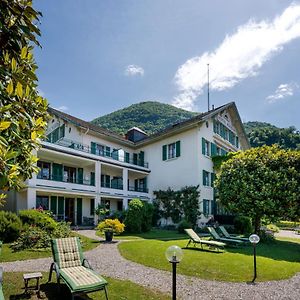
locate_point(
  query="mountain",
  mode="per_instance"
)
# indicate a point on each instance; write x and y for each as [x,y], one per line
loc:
[260,133]
[150,116]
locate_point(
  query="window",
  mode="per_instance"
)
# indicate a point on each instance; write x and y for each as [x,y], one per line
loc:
[120,205]
[206,178]
[171,150]
[105,181]
[42,202]
[237,142]
[100,150]
[205,147]
[44,172]
[69,174]
[206,210]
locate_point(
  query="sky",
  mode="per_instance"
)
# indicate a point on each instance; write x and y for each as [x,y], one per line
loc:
[100,56]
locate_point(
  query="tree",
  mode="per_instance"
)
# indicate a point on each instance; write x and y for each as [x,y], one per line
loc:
[23,112]
[261,183]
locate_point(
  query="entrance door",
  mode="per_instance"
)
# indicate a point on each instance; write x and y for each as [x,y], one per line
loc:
[70,210]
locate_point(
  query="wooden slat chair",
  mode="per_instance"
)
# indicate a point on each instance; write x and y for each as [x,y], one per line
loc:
[195,239]
[228,236]
[70,266]
[216,236]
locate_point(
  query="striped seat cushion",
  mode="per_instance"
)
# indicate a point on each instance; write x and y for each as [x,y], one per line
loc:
[80,279]
[67,252]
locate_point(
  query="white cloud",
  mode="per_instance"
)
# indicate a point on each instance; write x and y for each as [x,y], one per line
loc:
[63,108]
[134,70]
[239,56]
[283,91]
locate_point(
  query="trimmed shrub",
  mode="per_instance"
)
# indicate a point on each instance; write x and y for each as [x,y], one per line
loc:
[113,225]
[184,224]
[10,226]
[272,227]
[38,218]
[62,230]
[133,220]
[148,210]
[242,225]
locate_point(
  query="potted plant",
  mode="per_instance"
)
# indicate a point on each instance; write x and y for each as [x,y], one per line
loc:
[110,227]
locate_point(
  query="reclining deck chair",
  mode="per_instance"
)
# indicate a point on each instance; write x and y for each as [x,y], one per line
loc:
[195,239]
[1,292]
[228,236]
[70,266]
[216,236]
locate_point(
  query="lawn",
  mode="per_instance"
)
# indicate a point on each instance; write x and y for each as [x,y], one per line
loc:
[278,260]
[157,234]
[9,255]
[117,289]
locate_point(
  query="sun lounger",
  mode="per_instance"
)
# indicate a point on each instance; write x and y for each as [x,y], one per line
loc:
[216,237]
[228,236]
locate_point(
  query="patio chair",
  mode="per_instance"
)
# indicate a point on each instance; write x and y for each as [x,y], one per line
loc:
[195,239]
[70,266]
[216,236]
[228,236]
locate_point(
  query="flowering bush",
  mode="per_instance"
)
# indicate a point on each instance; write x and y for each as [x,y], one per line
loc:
[113,225]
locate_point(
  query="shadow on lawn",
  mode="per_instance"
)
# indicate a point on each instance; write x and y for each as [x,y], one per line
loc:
[203,250]
[277,250]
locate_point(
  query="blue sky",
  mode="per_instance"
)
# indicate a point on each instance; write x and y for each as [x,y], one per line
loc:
[100,56]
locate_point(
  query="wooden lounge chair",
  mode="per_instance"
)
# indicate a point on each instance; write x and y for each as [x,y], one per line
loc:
[195,239]
[216,237]
[228,236]
[70,266]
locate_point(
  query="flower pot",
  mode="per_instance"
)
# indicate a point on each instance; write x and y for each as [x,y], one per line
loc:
[108,236]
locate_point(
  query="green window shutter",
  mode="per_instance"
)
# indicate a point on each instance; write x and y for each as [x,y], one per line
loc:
[93,148]
[213,207]
[61,206]
[203,146]
[135,158]
[79,211]
[53,204]
[212,178]
[142,156]
[164,152]
[177,148]
[127,157]
[93,178]
[136,184]
[107,151]
[213,149]
[80,175]
[92,206]
[203,178]
[57,171]
[205,207]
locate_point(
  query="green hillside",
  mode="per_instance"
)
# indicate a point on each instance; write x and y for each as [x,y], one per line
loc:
[149,116]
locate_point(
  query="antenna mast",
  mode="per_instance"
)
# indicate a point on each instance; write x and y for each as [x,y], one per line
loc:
[208,105]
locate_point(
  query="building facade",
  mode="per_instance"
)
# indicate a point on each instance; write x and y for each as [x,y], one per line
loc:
[83,165]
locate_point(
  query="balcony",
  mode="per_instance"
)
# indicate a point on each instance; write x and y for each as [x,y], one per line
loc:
[112,185]
[138,189]
[67,180]
[108,154]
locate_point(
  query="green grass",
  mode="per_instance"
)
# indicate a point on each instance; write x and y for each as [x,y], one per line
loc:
[157,234]
[13,288]
[278,260]
[9,255]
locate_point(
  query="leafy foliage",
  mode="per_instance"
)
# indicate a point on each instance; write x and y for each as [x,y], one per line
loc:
[113,225]
[37,218]
[23,113]
[149,116]
[261,183]
[242,224]
[184,224]
[260,134]
[10,226]
[176,204]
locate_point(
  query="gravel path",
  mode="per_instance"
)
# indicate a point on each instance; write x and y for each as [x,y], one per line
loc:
[288,233]
[107,260]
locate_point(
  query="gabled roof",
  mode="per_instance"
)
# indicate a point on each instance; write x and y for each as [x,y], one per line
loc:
[87,125]
[173,129]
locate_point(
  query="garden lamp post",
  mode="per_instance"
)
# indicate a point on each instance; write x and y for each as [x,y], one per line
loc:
[254,239]
[174,255]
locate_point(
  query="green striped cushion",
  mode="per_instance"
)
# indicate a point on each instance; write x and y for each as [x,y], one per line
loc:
[80,279]
[67,252]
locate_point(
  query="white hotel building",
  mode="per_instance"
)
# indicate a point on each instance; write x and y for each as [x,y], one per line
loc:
[82,165]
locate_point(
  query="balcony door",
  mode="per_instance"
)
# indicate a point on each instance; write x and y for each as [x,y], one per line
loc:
[70,210]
